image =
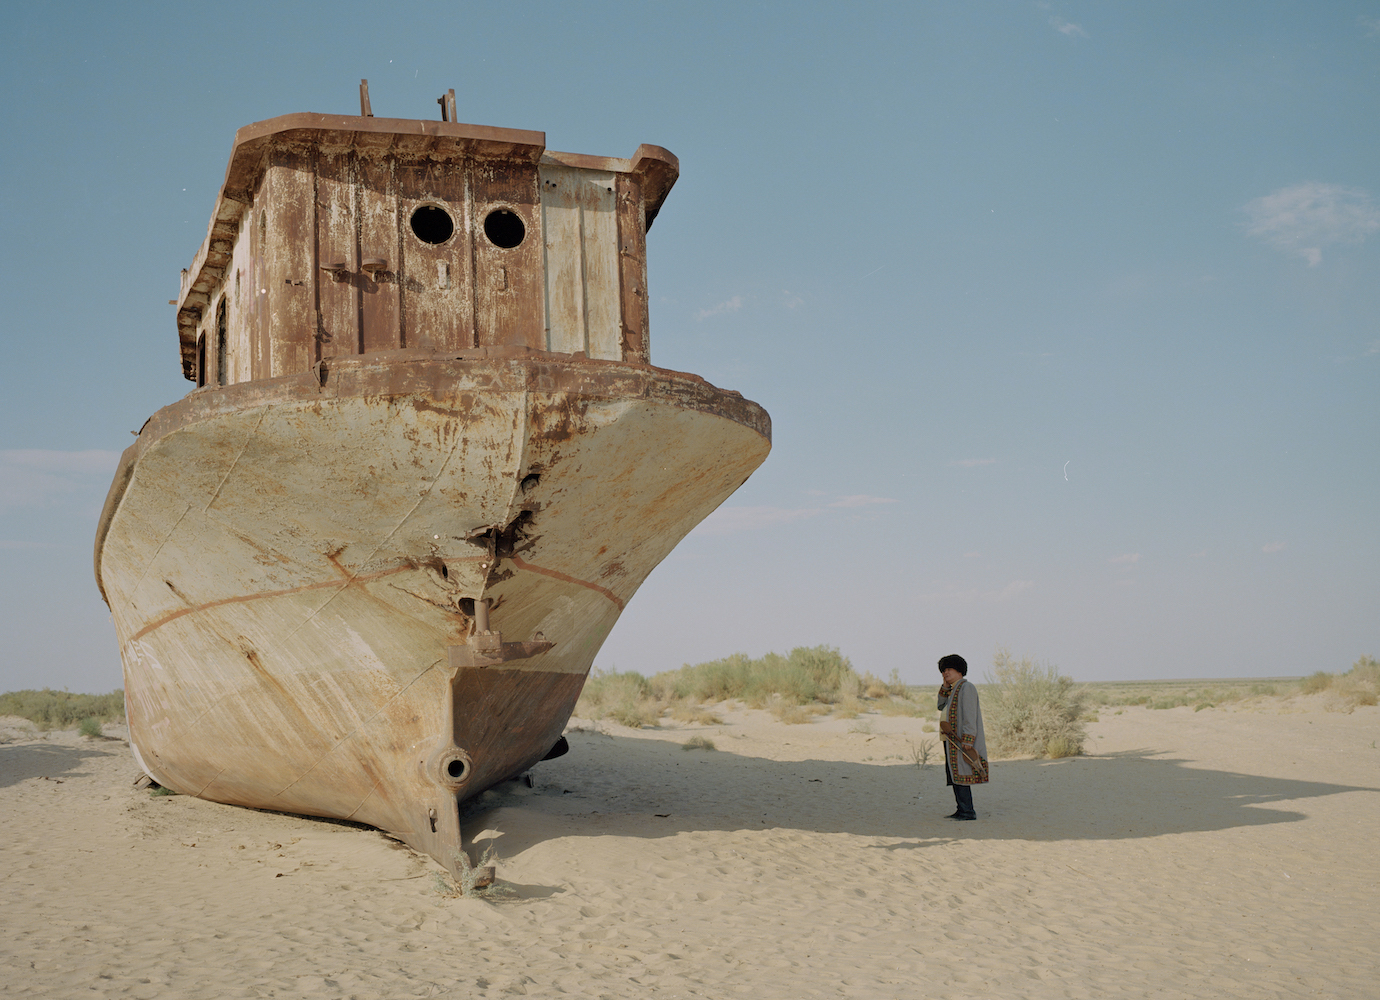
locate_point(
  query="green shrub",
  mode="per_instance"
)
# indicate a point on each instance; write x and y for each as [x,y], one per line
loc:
[90,726]
[1031,710]
[62,709]
[1320,681]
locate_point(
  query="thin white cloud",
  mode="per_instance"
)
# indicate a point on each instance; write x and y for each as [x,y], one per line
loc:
[790,300]
[953,595]
[970,463]
[1129,559]
[1067,28]
[861,500]
[1304,218]
[34,477]
[1371,24]
[731,305]
[731,520]
[1272,547]
[1374,348]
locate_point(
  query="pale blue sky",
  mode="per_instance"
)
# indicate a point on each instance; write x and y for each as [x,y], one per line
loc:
[1067,314]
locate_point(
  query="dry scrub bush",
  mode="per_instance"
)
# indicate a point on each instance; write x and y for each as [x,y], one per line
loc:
[1361,684]
[794,687]
[1316,684]
[1358,686]
[60,709]
[1031,710]
[848,707]
[625,697]
[698,742]
[875,687]
[804,676]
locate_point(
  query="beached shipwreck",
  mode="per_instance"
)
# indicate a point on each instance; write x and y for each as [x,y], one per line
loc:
[363,568]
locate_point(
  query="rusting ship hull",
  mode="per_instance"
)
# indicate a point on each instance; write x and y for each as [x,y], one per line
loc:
[293,567]
[363,569]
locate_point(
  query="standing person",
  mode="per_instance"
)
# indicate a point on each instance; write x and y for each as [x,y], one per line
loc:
[965,745]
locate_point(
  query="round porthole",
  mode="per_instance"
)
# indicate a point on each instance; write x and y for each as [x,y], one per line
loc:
[504,228]
[432,224]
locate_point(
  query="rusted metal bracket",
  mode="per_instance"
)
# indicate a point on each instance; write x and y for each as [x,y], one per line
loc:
[447,102]
[365,110]
[486,648]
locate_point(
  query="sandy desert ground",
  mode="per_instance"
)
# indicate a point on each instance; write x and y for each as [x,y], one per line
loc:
[1223,853]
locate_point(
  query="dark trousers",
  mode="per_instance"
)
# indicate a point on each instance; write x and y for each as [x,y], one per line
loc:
[963,794]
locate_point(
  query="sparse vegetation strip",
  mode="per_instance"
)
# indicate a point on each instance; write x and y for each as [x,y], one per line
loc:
[51,709]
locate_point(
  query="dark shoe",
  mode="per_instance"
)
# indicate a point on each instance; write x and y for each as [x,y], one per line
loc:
[973,816]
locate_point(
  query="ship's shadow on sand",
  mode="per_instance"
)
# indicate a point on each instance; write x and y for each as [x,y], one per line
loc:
[45,760]
[640,787]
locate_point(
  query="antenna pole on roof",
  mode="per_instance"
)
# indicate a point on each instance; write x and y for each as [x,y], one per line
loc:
[365,111]
[447,102]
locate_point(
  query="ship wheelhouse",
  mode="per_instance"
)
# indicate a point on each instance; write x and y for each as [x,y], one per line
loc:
[337,236]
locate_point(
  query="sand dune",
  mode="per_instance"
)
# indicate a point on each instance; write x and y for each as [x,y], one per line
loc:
[1221,853]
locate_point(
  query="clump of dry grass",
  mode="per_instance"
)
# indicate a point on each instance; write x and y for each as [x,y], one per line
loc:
[922,754]
[794,715]
[698,742]
[471,875]
[1031,710]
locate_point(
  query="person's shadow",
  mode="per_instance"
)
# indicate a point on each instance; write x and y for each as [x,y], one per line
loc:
[641,787]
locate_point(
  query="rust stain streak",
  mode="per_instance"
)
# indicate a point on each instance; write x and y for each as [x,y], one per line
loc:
[245,598]
[556,574]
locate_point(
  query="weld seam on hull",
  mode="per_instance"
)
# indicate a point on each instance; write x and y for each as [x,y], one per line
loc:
[243,598]
[556,574]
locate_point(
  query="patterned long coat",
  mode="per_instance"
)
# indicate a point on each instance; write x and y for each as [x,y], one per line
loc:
[959,705]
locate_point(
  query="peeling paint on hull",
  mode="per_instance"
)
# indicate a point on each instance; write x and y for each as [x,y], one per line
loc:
[288,562]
